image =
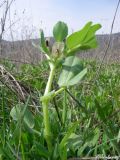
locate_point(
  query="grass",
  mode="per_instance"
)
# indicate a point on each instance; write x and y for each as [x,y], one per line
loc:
[93,105]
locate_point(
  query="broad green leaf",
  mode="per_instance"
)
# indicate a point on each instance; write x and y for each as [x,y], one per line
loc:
[91,32]
[17,112]
[77,37]
[76,79]
[43,46]
[83,39]
[72,72]
[60,31]
[29,119]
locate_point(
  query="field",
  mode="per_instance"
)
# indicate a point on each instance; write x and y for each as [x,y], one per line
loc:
[85,117]
[63,107]
[59,88]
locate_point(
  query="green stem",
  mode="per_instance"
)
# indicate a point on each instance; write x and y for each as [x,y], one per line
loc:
[64,113]
[47,129]
[50,79]
[59,91]
[22,150]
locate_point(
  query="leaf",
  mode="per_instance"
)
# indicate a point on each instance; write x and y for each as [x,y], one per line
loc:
[72,72]
[29,119]
[63,153]
[111,136]
[118,137]
[95,137]
[77,37]
[100,111]
[68,134]
[91,140]
[75,141]
[43,46]
[41,150]
[83,39]
[76,79]
[17,112]
[60,31]
[63,143]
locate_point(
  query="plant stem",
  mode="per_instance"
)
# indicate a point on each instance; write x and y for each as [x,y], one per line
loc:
[55,104]
[59,91]
[47,129]
[64,113]
[50,79]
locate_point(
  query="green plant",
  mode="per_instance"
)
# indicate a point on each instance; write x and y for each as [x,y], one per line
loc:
[90,119]
[62,55]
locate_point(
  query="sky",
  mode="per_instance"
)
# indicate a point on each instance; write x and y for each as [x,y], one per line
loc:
[31,15]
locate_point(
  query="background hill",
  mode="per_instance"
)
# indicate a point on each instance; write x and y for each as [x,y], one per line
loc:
[24,51]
